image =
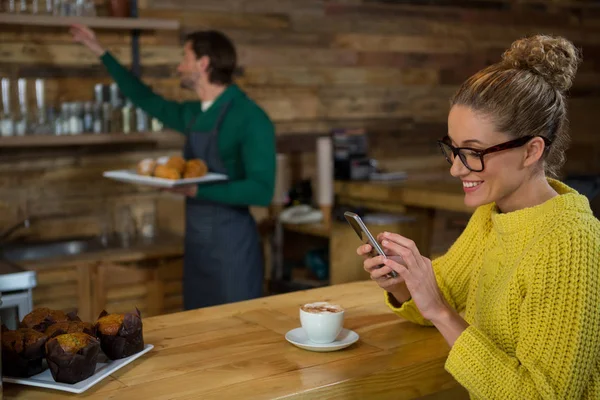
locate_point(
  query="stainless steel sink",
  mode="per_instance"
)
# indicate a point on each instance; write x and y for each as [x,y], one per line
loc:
[42,250]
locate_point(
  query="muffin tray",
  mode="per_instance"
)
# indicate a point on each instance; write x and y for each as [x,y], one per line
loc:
[104,367]
[131,176]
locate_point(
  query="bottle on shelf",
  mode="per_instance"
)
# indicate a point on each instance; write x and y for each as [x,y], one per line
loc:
[6,123]
[106,117]
[22,120]
[129,118]
[157,126]
[116,120]
[41,124]
[88,117]
[97,125]
[42,7]
[141,120]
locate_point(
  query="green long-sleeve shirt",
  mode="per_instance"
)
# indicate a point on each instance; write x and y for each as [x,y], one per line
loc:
[246,140]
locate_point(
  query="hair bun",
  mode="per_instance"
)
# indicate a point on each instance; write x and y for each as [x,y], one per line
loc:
[554,58]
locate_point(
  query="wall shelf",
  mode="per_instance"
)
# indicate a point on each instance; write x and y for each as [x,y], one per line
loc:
[89,139]
[92,22]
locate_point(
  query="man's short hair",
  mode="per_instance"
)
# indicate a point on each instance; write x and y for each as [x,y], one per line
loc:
[221,52]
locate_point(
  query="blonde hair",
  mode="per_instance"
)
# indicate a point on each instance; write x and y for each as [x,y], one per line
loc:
[524,94]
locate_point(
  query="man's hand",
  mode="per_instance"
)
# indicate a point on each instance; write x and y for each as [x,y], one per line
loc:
[87,37]
[188,190]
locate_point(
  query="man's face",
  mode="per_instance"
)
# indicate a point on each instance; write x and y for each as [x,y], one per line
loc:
[191,70]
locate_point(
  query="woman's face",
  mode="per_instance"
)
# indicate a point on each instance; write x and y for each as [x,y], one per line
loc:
[504,172]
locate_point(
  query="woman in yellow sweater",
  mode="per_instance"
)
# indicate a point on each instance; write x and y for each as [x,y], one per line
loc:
[526,270]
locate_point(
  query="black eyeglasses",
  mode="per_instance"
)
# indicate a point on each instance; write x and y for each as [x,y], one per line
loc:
[473,158]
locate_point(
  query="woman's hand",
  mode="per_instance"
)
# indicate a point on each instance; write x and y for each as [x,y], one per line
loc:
[87,37]
[394,286]
[417,272]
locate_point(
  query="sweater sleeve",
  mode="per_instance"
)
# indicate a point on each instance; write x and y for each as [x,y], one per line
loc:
[172,114]
[453,269]
[559,329]
[258,159]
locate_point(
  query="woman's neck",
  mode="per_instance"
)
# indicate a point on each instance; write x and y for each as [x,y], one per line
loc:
[533,192]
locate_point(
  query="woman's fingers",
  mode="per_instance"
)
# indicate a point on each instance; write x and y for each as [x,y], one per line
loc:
[364,249]
[400,269]
[371,263]
[378,273]
[403,247]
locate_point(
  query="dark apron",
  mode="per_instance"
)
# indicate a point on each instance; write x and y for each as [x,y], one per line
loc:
[223,260]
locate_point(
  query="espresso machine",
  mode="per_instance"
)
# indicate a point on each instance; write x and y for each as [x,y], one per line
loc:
[350,158]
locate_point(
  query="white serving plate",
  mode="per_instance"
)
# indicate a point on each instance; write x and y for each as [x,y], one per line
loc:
[104,367]
[131,176]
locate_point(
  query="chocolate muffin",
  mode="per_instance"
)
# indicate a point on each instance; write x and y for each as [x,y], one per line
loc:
[22,352]
[120,334]
[41,318]
[65,327]
[72,357]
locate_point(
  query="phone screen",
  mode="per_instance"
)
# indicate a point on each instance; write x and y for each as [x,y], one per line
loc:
[365,236]
[363,233]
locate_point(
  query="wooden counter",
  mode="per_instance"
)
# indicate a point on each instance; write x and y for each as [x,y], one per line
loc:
[238,351]
[147,276]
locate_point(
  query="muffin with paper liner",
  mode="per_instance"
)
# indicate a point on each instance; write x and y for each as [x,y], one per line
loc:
[120,334]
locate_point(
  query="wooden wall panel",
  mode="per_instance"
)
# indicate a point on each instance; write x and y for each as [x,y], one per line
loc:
[314,65]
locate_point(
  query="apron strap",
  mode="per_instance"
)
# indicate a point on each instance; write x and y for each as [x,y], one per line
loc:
[188,127]
[222,113]
[220,118]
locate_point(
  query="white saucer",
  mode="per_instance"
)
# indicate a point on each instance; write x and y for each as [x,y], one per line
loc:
[298,338]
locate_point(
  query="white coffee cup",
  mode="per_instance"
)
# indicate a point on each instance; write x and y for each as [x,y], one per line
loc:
[322,321]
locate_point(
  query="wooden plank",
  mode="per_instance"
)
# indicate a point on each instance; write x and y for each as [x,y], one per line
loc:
[463,15]
[126,306]
[83,139]
[173,302]
[200,20]
[326,76]
[422,103]
[75,54]
[173,287]
[309,7]
[117,274]
[129,292]
[287,56]
[44,293]
[96,72]
[393,43]
[55,276]
[106,37]
[92,22]
[84,291]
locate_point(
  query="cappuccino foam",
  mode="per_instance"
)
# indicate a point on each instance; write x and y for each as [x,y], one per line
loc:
[322,308]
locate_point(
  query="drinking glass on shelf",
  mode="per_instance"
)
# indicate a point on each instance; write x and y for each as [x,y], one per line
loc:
[19,6]
[89,8]
[41,7]
[148,225]
[6,122]
[126,227]
[9,6]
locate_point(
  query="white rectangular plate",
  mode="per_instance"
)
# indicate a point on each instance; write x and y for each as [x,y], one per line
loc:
[103,369]
[130,176]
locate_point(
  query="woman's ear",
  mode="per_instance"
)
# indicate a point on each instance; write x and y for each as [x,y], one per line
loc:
[534,150]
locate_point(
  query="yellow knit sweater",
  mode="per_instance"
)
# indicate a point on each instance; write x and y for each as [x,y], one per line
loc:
[529,284]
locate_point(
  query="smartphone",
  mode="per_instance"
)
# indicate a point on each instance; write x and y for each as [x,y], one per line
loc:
[365,236]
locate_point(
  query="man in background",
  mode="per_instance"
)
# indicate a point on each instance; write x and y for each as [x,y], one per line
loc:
[232,135]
